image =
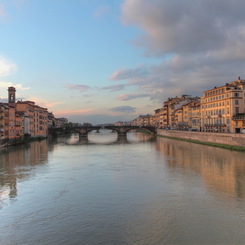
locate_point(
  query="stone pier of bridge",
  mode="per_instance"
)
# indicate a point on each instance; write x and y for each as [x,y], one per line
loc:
[83,131]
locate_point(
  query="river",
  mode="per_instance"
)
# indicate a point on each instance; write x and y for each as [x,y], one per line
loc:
[108,191]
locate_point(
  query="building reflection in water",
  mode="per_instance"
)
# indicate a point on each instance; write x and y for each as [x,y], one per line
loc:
[16,164]
[221,170]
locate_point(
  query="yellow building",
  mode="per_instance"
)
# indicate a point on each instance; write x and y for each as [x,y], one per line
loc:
[179,118]
[176,112]
[238,123]
[195,115]
[188,116]
[220,105]
[158,117]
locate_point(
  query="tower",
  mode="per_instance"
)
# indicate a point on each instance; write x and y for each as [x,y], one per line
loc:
[11,95]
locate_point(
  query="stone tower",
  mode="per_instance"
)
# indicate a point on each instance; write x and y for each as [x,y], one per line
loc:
[11,95]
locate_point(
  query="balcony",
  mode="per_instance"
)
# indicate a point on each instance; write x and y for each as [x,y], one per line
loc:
[240,116]
[215,125]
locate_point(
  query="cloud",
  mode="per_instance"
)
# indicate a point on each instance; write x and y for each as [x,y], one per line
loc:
[73,112]
[115,88]
[6,67]
[98,118]
[20,87]
[123,109]
[19,4]
[183,26]
[51,105]
[3,13]
[5,85]
[101,11]
[78,87]
[10,4]
[200,45]
[128,73]
[126,97]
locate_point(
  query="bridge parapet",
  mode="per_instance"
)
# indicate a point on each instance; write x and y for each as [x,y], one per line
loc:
[122,130]
[83,131]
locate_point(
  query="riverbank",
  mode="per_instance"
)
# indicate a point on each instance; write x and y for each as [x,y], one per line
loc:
[223,140]
[19,141]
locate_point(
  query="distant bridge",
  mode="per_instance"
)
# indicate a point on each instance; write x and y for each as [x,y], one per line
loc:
[83,131]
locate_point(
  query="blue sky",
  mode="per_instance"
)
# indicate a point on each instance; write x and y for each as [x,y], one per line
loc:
[108,60]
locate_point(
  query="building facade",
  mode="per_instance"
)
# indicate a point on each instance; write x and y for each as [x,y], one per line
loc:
[221,105]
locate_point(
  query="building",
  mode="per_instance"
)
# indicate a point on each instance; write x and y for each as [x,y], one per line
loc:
[158,118]
[9,120]
[174,115]
[51,120]
[21,118]
[221,106]
[35,118]
[2,123]
[144,120]
[238,123]
[119,123]
[179,118]
[195,112]
[60,122]
[187,117]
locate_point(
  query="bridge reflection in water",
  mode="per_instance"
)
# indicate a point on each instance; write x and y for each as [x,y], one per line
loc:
[105,136]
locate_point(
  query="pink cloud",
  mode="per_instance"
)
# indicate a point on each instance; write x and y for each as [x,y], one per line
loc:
[73,112]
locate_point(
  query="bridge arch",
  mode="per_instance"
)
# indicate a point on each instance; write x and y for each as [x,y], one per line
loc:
[83,131]
[123,130]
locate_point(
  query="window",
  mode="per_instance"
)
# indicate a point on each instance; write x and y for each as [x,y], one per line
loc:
[236,102]
[236,94]
[236,110]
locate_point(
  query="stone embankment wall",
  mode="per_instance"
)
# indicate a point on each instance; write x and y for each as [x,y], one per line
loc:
[219,138]
[19,141]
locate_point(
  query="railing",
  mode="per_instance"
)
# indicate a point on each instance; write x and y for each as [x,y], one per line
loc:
[239,117]
[215,125]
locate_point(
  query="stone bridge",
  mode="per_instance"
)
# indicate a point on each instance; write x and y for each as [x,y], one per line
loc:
[122,130]
[83,131]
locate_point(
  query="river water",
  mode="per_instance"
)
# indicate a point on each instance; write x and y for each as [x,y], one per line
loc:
[109,191]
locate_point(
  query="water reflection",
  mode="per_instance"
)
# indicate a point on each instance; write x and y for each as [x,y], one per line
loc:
[222,170]
[16,164]
[102,137]
[106,137]
[140,191]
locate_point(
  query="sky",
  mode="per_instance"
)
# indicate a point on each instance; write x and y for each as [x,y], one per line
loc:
[103,61]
